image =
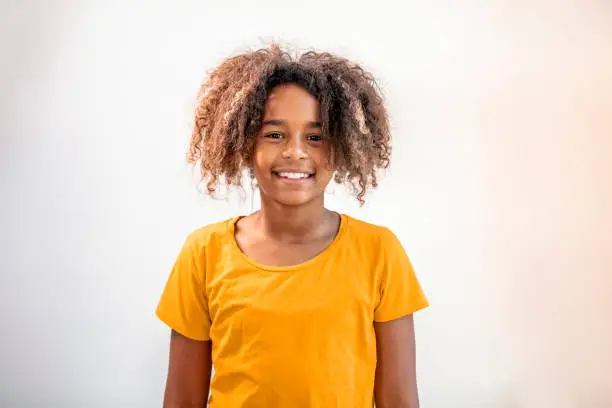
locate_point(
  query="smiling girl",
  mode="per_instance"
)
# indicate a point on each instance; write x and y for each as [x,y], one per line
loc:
[294,305]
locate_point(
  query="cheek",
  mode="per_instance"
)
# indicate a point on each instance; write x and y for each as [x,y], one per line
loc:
[325,165]
[262,155]
[325,158]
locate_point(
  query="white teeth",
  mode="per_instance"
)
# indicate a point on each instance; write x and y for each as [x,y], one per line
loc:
[294,175]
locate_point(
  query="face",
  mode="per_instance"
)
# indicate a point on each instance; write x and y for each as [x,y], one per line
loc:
[292,159]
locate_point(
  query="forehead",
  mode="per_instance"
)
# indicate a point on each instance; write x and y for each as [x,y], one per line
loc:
[292,103]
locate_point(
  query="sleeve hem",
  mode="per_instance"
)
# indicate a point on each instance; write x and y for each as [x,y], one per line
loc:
[396,314]
[181,329]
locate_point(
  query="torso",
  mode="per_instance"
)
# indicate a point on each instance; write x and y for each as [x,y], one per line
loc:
[298,335]
[290,336]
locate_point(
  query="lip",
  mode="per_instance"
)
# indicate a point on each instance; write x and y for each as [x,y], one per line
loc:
[293,181]
[289,170]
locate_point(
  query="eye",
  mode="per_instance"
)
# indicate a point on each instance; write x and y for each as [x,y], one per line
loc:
[274,135]
[315,138]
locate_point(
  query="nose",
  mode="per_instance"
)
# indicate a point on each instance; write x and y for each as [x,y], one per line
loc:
[294,149]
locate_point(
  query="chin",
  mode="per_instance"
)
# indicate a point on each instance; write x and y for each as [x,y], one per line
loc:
[294,199]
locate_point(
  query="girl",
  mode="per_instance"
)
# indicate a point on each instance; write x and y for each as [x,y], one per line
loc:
[294,305]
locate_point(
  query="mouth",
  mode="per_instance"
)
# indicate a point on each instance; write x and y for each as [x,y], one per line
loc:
[293,175]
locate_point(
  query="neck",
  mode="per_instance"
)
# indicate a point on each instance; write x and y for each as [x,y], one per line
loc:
[291,223]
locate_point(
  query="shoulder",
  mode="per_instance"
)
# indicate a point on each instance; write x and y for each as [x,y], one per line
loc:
[379,247]
[376,235]
[368,231]
[212,235]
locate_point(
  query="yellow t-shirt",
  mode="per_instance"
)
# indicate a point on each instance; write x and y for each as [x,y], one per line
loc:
[296,336]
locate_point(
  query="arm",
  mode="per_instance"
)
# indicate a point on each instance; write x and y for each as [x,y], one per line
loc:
[395,383]
[189,371]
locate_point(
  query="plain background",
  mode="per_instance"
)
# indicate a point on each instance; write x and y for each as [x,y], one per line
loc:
[500,187]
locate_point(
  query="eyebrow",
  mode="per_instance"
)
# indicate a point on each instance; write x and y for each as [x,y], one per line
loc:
[279,122]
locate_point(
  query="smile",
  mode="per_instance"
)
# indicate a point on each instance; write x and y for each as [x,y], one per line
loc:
[293,175]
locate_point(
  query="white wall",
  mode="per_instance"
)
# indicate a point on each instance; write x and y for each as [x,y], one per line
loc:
[500,188]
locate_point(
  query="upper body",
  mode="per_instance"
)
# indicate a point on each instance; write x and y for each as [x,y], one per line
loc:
[299,335]
[294,305]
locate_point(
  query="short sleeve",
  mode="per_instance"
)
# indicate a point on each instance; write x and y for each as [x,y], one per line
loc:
[399,289]
[183,305]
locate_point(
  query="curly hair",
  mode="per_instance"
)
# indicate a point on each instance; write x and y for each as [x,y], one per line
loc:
[231,103]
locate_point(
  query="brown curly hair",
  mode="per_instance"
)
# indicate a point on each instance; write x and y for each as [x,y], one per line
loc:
[231,104]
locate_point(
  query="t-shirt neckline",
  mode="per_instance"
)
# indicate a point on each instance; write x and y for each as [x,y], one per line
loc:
[325,253]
